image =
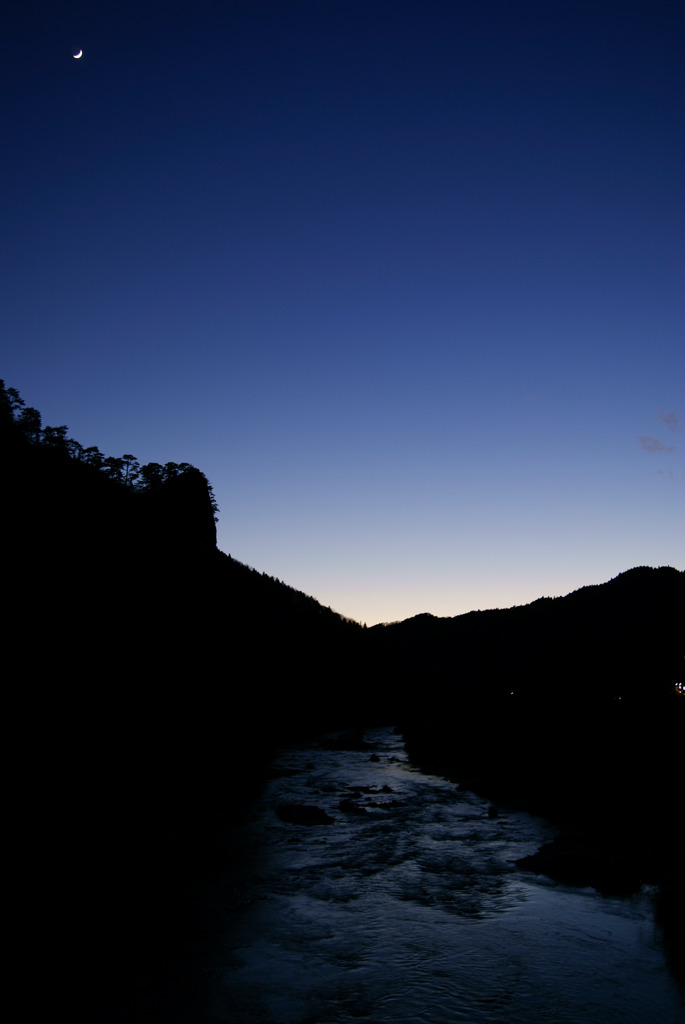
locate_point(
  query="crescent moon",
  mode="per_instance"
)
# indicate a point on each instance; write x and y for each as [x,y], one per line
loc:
[77,55]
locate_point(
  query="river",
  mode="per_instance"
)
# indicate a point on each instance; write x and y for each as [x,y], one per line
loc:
[407,907]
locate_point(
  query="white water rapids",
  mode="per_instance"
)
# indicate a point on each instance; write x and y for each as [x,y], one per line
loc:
[408,908]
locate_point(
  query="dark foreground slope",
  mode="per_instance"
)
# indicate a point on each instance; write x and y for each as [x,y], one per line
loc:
[147,677]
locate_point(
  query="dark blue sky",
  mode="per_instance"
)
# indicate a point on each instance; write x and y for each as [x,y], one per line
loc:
[403,279]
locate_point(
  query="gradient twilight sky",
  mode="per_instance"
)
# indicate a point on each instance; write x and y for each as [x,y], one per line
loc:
[403,279]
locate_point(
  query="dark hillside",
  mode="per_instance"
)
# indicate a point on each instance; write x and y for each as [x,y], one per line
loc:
[149,676]
[553,702]
[620,639]
[572,708]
